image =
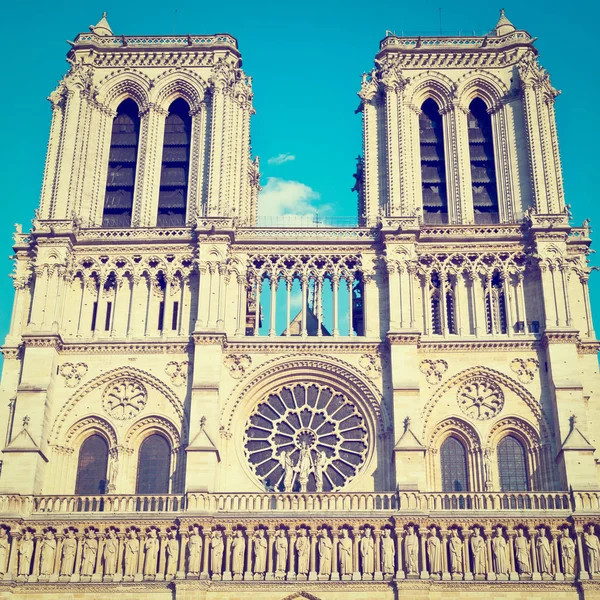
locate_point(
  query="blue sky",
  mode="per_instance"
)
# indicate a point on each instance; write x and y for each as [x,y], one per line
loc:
[306,60]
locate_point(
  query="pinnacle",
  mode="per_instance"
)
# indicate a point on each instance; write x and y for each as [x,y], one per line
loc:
[503,26]
[101,28]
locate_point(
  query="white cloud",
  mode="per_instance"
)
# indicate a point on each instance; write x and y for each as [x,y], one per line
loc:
[282,197]
[281,158]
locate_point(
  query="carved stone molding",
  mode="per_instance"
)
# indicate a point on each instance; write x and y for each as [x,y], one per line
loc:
[177,371]
[237,364]
[73,373]
[525,368]
[433,370]
[372,364]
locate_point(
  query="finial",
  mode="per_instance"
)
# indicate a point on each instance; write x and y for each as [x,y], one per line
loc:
[406,423]
[503,26]
[101,28]
[25,422]
[573,421]
[202,422]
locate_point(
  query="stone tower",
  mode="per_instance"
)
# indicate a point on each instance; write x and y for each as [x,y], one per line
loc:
[193,405]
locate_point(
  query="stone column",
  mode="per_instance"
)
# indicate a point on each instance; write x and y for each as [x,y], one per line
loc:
[534,568]
[59,542]
[291,556]
[558,575]
[335,574]
[97,576]
[491,576]
[378,575]
[583,574]
[399,558]
[11,571]
[140,568]
[119,570]
[183,536]
[335,285]
[227,571]
[356,540]
[312,576]
[514,576]
[424,572]
[270,541]
[249,540]
[36,557]
[162,558]
[467,554]
[204,572]
[445,571]
[77,566]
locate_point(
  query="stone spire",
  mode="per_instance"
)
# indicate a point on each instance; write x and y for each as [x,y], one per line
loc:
[101,28]
[503,26]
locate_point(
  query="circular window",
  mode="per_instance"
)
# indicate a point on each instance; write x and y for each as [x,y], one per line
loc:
[480,398]
[306,437]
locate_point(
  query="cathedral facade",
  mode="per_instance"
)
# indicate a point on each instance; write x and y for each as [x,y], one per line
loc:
[195,406]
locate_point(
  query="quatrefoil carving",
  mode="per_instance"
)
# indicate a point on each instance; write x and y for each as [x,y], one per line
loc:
[237,364]
[525,368]
[433,370]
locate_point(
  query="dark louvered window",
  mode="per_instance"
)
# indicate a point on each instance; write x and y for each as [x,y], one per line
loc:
[120,183]
[154,466]
[512,466]
[483,168]
[91,467]
[172,200]
[433,167]
[454,466]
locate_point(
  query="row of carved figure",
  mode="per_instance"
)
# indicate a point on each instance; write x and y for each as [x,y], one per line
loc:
[318,553]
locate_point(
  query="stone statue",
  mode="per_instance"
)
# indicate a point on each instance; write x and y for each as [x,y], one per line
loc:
[3,550]
[194,551]
[345,553]
[238,547]
[132,547]
[456,553]
[113,471]
[499,553]
[151,547]
[69,550]
[544,556]
[434,550]
[303,551]
[172,551]
[305,466]
[478,551]
[325,546]
[288,470]
[216,555]
[90,550]
[281,547]
[411,549]
[48,552]
[260,552]
[592,547]
[522,553]
[487,468]
[567,548]
[25,553]
[111,550]
[367,552]
[388,553]
[320,465]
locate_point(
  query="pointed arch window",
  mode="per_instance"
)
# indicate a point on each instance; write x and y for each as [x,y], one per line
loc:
[512,465]
[154,466]
[453,458]
[433,166]
[483,167]
[495,305]
[91,466]
[172,198]
[122,160]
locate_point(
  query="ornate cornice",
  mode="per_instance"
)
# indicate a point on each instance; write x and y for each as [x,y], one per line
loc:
[300,346]
[478,345]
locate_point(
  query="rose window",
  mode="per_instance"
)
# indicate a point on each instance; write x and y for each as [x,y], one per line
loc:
[480,398]
[124,398]
[310,418]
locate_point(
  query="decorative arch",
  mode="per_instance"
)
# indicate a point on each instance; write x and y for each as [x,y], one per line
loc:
[125,84]
[455,426]
[101,380]
[88,426]
[500,378]
[431,84]
[178,84]
[480,84]
[517,426]
[149,425]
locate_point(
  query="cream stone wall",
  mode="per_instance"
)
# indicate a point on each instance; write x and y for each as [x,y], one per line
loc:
[464,330]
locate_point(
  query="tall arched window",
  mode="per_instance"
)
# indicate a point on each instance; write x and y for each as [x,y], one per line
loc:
[120,183]
[154,466]
[495,305]
[453,458]
[91,466]
[433,166]
[172,199]
[483,168]
[512,465]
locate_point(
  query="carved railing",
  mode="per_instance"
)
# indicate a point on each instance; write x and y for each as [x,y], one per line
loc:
[273,502]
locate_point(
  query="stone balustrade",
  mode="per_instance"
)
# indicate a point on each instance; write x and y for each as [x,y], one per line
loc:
[358,502]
